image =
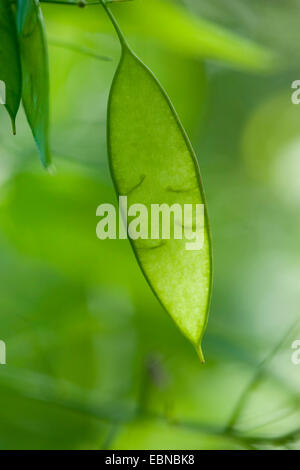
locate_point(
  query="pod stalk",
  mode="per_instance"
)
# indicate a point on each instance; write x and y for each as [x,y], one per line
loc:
[115,24]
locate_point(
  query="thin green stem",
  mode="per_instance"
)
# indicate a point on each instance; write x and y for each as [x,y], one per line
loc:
[77,3]
[257,377]
[83,3]
[111,436]
[115,24]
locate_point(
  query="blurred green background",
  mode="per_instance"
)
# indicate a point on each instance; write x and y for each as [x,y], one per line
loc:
[93,362]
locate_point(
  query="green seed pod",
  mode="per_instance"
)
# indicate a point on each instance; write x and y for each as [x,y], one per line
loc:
[152,163]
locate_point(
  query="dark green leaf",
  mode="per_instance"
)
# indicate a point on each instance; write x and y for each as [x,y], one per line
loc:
[10,68]
[35,69]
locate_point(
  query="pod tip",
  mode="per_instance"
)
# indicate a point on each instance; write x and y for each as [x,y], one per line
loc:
[200,353]
[13,125]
